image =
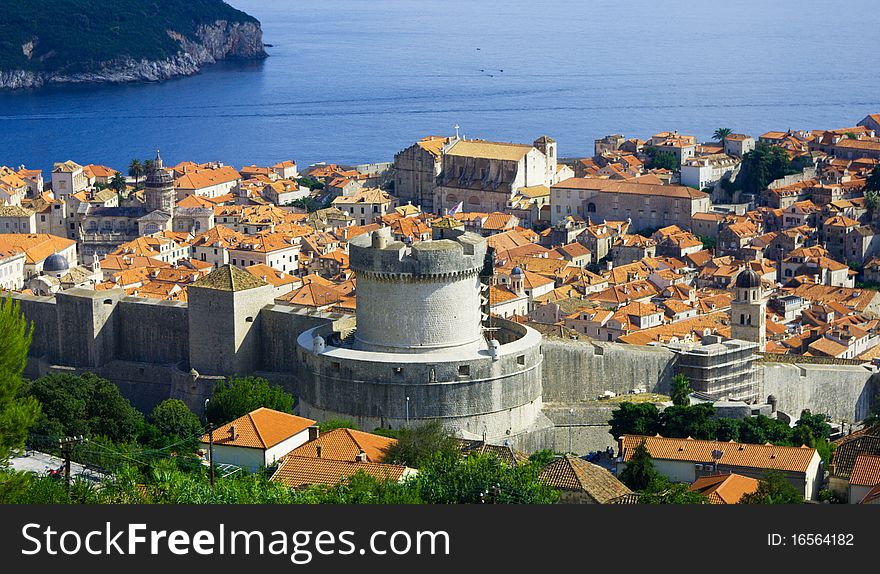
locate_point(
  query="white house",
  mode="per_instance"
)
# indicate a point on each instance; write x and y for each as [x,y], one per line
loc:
[259,438]
[686,460]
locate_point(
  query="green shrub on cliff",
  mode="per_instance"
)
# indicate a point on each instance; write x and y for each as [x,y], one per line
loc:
[77,35]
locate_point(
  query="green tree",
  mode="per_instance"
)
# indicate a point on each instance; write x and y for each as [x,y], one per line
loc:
[417,445]
[708,242]
[118,183]
[81,405]
[763,165]
[171,422]
[695,421]
[873,181]
[872,198]
[662,491]
[238,396]
[635,418]
[17,414]
[721,134]
[773,489]
[331,424]
[639,473]
[136,170]
[542,457]
[873,418]
[727,429]
[480,478]
[149,166]
[663,159]
[681,388]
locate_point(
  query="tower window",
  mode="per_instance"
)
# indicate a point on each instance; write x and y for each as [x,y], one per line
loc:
[464,370]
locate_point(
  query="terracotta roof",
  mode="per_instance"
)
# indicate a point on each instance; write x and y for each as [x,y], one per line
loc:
[201,178]
[866,471]
[633,187]
[724,488]
[262,428]
[489,150]
[762,456]
[298,471]
[345,444]
[433,144]
[573,473]
[229,278]
[847,450]
[36,247]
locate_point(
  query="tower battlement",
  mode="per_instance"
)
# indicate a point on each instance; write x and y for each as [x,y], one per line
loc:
[379,256]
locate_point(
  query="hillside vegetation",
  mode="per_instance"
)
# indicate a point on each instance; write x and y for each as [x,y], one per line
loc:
[78,35]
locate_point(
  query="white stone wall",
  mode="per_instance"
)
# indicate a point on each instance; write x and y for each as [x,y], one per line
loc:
[420,314]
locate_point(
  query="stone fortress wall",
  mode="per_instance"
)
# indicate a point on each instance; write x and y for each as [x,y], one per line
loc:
[146,348]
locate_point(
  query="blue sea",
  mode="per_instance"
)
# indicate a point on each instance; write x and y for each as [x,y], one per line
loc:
[356,81]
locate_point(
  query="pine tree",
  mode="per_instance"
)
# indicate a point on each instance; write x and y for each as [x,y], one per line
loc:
[16,414]
[639,473]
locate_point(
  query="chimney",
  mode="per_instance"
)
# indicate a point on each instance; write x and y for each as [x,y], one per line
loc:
[232,433]
[313,433]
[361,456]
[318,450]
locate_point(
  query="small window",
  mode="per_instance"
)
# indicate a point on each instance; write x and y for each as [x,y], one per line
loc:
[464,370]
[398,371]
[108,301]
[249,320]
[335,366]
[521,360]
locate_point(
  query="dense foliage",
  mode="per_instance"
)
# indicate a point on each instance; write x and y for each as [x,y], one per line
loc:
[764,164]
[17,414]
[444,480]
[237,397]
[84,405]
[171,422]
[420,444]
[662,159]
[77,35]
[773,489]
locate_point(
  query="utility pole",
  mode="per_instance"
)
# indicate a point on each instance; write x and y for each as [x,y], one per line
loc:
[66,445]
[211,451]
[570,431]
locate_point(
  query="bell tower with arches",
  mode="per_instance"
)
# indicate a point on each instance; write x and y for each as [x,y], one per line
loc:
[748,311]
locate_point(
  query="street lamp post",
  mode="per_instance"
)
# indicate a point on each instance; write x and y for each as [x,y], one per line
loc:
[407,411]
[570,430]
[210,444]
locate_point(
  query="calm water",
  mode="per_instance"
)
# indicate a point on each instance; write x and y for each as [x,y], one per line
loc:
[356,81]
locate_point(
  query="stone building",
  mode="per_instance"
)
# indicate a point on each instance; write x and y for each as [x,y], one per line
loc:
[416,169]
[486,176]
[648,206]
[100,230]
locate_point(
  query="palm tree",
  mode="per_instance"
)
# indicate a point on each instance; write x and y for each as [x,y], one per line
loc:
[136,170]
[118,182]
[149,166]
[721,133]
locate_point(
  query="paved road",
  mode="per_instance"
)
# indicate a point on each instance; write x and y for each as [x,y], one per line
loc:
[41,463]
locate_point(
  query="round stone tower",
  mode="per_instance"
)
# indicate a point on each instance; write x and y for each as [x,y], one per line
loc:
[419,349]
[420,297]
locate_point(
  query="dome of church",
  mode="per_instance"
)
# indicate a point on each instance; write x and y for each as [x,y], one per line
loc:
[55,263]
[159,178]
[517,271]
[748,279]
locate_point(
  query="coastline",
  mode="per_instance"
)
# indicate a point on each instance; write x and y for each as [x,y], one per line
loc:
[223,40]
